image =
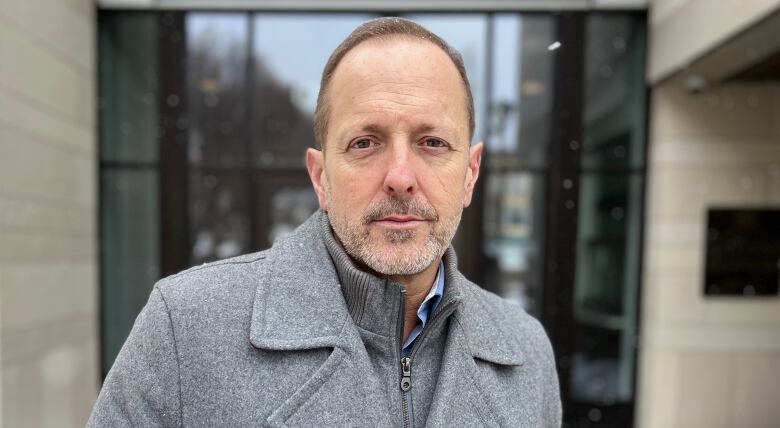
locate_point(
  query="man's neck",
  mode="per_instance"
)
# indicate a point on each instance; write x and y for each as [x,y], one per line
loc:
[417,287]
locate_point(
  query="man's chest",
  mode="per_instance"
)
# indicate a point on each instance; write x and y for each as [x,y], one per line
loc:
[358,384]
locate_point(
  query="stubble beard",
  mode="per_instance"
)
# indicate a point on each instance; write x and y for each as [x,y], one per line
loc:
[394,253]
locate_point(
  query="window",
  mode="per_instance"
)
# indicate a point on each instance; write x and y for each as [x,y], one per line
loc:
[205,116]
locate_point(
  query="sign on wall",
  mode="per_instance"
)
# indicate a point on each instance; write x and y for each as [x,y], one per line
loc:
[743,252]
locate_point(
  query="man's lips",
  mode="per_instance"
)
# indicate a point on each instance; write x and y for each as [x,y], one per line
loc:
[400,218]
[399,221]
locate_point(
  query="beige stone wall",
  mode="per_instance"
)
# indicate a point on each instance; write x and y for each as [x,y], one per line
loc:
[683,30]
[706,362]
[49,372]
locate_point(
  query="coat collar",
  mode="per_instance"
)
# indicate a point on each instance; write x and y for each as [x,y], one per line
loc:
[306,298]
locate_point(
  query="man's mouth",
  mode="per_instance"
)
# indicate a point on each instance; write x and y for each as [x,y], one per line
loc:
[397,221]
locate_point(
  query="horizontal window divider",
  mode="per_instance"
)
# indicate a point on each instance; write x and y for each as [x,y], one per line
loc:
[309,6]
[615,170]
[128,165]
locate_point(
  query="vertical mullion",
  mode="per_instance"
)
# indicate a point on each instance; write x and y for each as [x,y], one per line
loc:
[101,206]
[174,183]
[562,204]
[473,219]
[249,112]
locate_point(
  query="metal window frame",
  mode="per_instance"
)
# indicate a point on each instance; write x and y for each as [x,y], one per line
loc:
[562,208]
[380,5]
[174,172]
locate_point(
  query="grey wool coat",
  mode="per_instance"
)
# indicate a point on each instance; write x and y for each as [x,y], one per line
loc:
[297,335]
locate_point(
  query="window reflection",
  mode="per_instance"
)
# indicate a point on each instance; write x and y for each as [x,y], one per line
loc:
[290,207]
[521,88]
[289,51]
[129,179]
[130,254]
[513,228]
[516,151]
[219,215]
[128,88]
[614,112]
[608,242]
[505,94]
[216,88]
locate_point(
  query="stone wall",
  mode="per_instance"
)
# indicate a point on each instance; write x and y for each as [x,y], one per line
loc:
[49,371]
[706,362]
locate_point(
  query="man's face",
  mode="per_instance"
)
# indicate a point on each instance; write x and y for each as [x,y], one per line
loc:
[396,170]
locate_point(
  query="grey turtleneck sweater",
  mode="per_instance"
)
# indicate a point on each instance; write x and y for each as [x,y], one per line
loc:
[376,306]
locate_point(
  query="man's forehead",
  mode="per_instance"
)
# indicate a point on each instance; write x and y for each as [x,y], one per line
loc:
[383,124]
[395,52]
[402,67]
[401,84]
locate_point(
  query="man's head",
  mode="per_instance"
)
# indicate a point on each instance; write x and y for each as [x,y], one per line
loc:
[394,120]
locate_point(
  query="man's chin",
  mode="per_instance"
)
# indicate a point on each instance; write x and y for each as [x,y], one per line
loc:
[395,235]
[397,267]
[397,258]
[403,240]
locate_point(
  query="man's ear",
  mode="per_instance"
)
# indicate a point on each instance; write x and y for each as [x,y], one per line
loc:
[315,164]
[472,173]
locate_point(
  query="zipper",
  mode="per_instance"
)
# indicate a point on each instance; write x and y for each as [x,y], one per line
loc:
[406,374]
[405,367]
[406,360]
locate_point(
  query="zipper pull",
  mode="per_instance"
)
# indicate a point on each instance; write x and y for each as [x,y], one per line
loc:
[406,372]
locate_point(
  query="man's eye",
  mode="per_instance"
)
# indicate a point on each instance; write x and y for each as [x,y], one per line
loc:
[363,143]
[434,142]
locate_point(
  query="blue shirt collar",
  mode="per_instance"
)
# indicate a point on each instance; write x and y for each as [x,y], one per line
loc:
[427,307]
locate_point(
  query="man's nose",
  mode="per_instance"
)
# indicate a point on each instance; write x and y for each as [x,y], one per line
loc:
[401,180]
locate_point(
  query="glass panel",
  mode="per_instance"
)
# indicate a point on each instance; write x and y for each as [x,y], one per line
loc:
[129,252]
[289,53]
[606,287]
[284,201]
[515,158]
[290,207]
[468,34]
[216,88]
[610,209]
[219,215]
[514,229]
[614,123]
[128,87]
[521,95]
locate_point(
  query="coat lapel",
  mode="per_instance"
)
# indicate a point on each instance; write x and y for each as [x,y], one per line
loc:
[299,306]
[459,400]
[477,344]
[344,387]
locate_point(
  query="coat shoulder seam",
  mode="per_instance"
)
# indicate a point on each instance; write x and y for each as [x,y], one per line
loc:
[178,358]
[214,265]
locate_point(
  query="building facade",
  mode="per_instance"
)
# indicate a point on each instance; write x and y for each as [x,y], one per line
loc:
[138,138]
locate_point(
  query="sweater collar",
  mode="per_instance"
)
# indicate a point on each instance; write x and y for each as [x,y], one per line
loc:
[309,288]
[366,293]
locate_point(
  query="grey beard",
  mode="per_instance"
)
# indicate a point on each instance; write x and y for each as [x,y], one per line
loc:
[358,244]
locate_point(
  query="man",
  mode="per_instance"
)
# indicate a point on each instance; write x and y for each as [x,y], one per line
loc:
[360,317]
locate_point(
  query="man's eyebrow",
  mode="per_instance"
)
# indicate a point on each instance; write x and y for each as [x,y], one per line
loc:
[424,128]
[374,128]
